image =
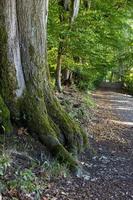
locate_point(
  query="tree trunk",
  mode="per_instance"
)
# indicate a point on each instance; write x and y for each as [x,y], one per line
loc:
[24,79]
[66,77]
[58,68]
[111,77]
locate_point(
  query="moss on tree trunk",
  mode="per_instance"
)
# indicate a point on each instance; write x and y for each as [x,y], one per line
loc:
[5,122]
[36,106]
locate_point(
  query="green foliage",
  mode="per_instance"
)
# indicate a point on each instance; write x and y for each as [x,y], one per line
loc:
[88,101]
[99,41]
[5,162]
[129,82]
[5,117]
[28,182]
[85,78]
[25,181]
[55,169]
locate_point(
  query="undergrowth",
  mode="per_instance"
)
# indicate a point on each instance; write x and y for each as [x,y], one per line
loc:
[28,181]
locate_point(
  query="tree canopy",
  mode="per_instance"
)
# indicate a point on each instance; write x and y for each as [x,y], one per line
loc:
[97,44]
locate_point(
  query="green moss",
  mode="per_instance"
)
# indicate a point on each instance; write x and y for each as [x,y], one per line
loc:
[5,117]
[75,138]
[8,82]
[31,51]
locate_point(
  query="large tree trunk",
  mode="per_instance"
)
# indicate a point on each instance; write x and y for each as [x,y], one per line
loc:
[24,79]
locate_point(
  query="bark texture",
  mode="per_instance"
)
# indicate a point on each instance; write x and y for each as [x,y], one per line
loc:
[59,67]
[5,124]
[67,77]
[24,81]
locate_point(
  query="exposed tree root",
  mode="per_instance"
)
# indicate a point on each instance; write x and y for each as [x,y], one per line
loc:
[58,138]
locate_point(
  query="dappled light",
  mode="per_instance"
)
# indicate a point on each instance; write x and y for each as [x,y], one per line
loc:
[119,101]
[123,108]
[66,104]
[123,123]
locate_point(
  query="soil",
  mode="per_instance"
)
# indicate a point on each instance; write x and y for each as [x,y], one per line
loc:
[108,162]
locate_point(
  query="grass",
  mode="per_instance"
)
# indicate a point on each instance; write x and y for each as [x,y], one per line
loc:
[5,162]
[55,169]
[88,101]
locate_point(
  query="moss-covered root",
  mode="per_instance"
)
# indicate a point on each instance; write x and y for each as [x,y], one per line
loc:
[75,137]
[58,150]
[48,137]
[5,117]
[39,122]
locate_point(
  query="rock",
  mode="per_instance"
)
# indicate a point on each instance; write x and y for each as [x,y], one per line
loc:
[94,158]
[86,177]
[88,165]
[104,159]
[94,179]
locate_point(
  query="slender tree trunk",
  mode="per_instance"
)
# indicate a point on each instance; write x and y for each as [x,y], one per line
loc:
[58,68]
[66,77]
[111,77]
[24,79]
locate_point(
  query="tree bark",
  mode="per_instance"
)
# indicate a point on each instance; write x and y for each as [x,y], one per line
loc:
[66,77]
[59,67]
[24,79]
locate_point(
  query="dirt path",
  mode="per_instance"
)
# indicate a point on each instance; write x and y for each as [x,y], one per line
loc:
[109,173]
[121,104]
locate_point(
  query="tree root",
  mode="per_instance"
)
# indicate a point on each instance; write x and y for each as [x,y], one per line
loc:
[75,137]
[39,122]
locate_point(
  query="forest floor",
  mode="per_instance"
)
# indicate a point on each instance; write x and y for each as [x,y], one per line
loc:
[107,165]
